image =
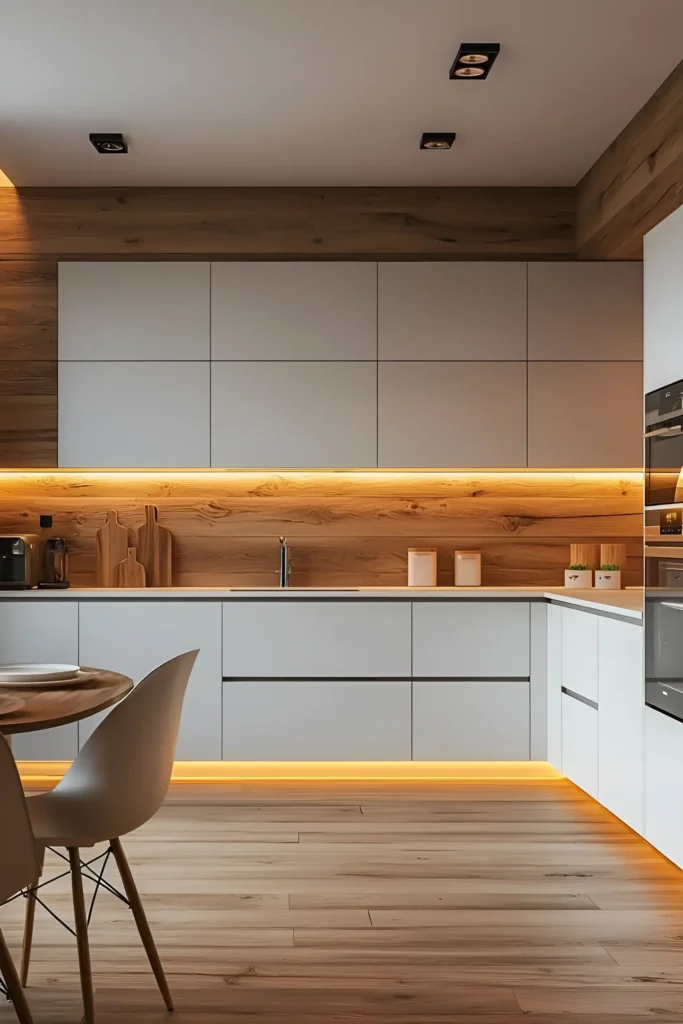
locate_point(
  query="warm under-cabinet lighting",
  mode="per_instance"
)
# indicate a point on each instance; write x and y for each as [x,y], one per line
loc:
[5,181]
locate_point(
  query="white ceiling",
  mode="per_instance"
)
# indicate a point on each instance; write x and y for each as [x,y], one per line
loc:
[322,92]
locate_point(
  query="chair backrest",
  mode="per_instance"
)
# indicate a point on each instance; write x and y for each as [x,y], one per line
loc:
[19,865]
[121,776]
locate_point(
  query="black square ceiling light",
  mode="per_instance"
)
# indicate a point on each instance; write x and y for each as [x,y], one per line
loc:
[474,60]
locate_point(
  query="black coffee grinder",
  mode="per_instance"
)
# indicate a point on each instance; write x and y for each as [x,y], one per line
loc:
[54,573]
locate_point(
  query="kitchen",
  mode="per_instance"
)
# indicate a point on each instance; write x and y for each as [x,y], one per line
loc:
[368,436]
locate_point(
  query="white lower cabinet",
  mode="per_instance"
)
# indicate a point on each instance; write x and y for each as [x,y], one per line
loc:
[580,652]
[316,720]
[620,720]
[580,744]
[471,639]
[663,774]
[134,637]
[471,720]
[286,638]
[41,631]
[554,683]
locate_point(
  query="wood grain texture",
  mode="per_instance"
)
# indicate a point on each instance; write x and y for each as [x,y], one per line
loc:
[153,544]
[43,709]
[320,222]
[312,902]
[111,547]
[129,572]
[344,529]
[638,180]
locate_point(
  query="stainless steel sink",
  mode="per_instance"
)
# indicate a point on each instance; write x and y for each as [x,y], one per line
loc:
[271,590]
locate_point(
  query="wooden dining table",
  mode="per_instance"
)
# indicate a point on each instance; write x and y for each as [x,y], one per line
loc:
[44,707]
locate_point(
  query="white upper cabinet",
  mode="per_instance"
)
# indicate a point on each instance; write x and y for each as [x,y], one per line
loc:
[134,311]
[585,415]
[447,415]
[452,310]
[591,311]
[294,310]
[663,313]
[134,415]
[294,415]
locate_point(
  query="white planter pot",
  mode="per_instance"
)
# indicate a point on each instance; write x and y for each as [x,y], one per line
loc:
[580,579]
[608,580]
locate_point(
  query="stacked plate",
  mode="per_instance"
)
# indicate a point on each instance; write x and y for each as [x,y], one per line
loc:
[39,676]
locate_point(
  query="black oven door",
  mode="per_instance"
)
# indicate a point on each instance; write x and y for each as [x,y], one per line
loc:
[663,465]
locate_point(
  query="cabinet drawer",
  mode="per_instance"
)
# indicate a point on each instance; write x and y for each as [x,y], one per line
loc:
[471,720]
[663,772]
[283,638]
[580,653]
[316,720]
[471,639]
[580,744]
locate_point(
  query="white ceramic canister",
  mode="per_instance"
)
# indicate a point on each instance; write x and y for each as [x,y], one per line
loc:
[578,579]
[606,579]
[421,567]
[467,568]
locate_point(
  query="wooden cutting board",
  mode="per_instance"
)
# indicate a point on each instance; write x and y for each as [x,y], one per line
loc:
[153,544]
[129,572]
[112,548]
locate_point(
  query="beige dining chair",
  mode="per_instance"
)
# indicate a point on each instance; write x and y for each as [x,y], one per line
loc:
[115,785]
[19,864]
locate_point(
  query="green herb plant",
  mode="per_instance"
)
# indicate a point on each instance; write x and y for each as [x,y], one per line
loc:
[609,567]
[578,565]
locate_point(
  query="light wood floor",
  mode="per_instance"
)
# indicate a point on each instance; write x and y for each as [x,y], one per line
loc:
[495,903]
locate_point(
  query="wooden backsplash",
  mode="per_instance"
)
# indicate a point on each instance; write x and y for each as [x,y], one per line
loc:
[344,529]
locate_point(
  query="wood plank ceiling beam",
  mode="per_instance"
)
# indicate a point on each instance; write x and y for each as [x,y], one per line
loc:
[638,180]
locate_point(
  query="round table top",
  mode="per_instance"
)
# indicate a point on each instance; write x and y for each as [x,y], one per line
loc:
[46,707]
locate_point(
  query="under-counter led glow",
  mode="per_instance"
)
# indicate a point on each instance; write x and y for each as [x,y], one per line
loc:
[35,773]
[195,474]
[5,181]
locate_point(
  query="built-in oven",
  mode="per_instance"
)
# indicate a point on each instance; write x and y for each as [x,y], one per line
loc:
[664,626]
[664,445]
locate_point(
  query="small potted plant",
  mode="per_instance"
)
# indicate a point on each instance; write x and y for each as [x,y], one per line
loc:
[608,577]
[578,575]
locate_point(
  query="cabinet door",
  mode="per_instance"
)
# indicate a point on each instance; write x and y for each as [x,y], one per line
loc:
[316,720]
[452,310]
[585,415]
[294,310]
[620,720]
[554,754]
[134,637]
[471,720]
[132,311]
[580,744]
[470,639]
[432,415]
[663,307]
[334,639]
[580,653]
[294,415]
[586,310]
[37,630]
[128,415]
[663,774]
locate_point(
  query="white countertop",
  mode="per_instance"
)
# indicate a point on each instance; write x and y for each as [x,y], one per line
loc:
[627,603]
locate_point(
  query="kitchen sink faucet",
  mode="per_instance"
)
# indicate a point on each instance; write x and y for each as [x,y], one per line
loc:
[285,567]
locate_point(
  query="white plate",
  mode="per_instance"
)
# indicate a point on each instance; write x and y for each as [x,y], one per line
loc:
[18,674]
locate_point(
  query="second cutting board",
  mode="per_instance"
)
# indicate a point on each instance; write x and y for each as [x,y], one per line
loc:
[153,545]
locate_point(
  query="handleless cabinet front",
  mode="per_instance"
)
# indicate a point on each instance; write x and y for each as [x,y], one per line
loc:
[471,639]
[41,632]
[285,638]
[134,637]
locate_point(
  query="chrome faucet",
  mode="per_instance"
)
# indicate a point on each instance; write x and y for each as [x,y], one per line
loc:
[285,567]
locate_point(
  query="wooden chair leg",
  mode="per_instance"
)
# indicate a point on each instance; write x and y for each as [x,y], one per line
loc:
[133,896]
[29,918]
[82,936]
[14,986]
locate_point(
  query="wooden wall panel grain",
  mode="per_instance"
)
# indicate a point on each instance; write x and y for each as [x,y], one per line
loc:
[345,529]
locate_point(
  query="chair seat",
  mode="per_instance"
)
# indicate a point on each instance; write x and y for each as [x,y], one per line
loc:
[61,819]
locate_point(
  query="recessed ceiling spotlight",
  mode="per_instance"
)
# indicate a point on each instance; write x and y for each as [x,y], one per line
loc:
[111,142]
[474,60]
[437,140]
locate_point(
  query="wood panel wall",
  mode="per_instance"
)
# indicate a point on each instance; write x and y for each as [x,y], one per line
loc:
[344,529]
